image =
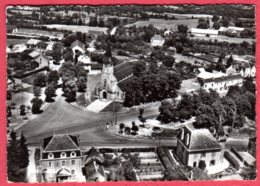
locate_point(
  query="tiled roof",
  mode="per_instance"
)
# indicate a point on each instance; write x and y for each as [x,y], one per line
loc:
[60,143]
[157,37]
[201,139]
[77,43]
[123,70]
[224,78]
[34,54]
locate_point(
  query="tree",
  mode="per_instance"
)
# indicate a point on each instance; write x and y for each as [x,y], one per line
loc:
[121,127]
[13,160]
[168,61]
[53,76]
[57,49]
[249,85]
[216,25]
[229,61]
[166,112]
[37,91]
[40,80]
[202,165]
[134,128]
[220,66]
[108,52]
[36,105]
[9,95]
[24,155]
[139,68]
[9,111]
[249,172]
[50,92]
[183,29]
[70,91]
[215,18]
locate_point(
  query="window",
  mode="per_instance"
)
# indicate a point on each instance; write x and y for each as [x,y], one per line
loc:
[50,156]
[73,154]
[57,164]
[195,156]
[72,172]
[213,154]
[194,164]
[63,163]
[212,162]
[203,155]
[63,155]
[72,162]
[49,163]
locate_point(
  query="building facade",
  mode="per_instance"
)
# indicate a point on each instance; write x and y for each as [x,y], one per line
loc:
[108,88]
[61,159]
[196,145]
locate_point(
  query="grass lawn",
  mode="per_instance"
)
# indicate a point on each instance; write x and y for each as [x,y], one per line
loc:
[166,24]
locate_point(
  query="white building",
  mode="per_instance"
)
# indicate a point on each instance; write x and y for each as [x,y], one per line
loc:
[157,40]
[219,81]
[77,46]
[204,32]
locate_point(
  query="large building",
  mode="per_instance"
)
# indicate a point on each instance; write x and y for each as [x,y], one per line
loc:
[219,81]
[108,87]
[204,32]
[196,145]
[61,159]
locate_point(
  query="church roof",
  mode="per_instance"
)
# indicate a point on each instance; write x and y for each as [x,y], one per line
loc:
[123,70]
[61,142]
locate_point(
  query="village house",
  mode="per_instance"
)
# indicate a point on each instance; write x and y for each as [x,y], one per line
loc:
[231,31]
[157,40]
[219,81]
[93,169]
[40,58]
[61,158]
[198,145]
[32,43]
[77,46]
[246,70]
[204,32]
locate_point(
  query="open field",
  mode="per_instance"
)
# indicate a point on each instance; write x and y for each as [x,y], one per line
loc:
[10,41]
[221,38]
[77,28]
[166,24]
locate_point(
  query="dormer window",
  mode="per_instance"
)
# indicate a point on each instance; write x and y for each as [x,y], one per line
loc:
[63,155]
[182,134]
[73,154]
[187,139]
[50,156]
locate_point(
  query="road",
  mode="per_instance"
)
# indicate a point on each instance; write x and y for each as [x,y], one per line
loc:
[61,117]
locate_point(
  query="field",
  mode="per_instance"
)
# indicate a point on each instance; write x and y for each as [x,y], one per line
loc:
[77,28]
[166,24]
[221,38]
[10,41]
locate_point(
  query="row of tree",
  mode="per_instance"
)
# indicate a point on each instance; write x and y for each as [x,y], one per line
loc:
[211,110]
[17,158]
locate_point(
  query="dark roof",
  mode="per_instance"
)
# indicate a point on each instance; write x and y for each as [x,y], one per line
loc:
[93,155]
[96,66]
[60,143]
[77,43]
[42,44]
[223,78]
[123,84]
[201,139]
[123,70]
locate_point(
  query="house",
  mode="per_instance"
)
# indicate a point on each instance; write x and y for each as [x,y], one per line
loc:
[93,169]
[32,43]
[204,32]
[167,32]
[247,70]
[41,45]
[77,46]
[91,67]
[11,29]
[40,58]
[198,145]
[61,158]
[219,81]
[157,40]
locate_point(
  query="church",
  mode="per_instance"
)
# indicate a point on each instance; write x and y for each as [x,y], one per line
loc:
[107,88]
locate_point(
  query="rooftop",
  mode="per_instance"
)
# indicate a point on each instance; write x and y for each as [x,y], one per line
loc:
[61,142]
[204,31]
[77,43]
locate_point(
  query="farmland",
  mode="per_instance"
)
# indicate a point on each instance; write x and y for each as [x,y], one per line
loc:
[77,28]
[166,24]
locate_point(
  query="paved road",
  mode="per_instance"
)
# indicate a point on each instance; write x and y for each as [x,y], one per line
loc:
[62,117]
